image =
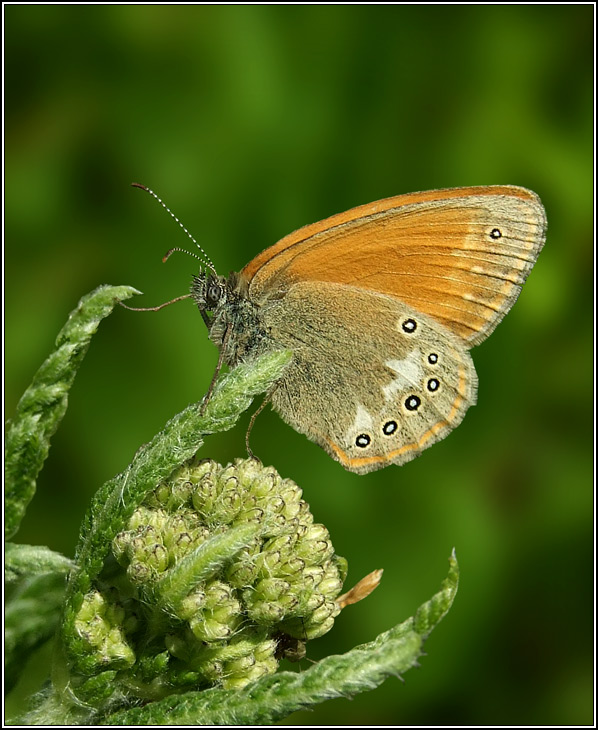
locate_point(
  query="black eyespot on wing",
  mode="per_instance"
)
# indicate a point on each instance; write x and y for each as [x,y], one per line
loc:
[363,441]
[412,403]
[389,428]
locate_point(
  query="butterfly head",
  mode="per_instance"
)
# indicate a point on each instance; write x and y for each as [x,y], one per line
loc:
[208,290]
[231,317]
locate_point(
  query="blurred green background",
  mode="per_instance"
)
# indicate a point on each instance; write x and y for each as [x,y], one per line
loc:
[250,122]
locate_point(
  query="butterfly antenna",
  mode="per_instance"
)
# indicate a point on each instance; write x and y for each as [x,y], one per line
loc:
[206,260]
[182,250]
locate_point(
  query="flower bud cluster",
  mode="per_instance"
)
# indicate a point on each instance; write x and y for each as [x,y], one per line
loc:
[179,611]
[101,624]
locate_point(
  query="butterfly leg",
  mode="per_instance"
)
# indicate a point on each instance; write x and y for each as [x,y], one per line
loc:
[208,395]
[252,421]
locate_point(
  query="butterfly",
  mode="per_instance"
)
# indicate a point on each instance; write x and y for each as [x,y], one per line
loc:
[380,306]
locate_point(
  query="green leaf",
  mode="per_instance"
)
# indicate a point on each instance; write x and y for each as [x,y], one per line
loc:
[204,561]
[431,612]
[28,560]
[31,616]
[44,403]
[277,696]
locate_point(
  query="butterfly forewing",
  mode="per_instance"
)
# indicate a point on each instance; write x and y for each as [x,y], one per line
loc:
[459,255]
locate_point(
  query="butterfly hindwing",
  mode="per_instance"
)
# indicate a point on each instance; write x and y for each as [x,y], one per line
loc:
[372,380]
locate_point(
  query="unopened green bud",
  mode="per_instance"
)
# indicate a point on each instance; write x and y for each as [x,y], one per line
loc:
[190,605]
[99,625]
[266,612]
[210,629]
[139,573]
[263,486]
[312,575]
[241,665]
[268,563]
[331,586]
[291,567]
[265,650]
[282,544]
[314,631]
[314,602]
[160,496]
[253,514]
[144,518]
[271,589]
[157,557]
[241,574]
[181,493]
[217,593]
[212,671]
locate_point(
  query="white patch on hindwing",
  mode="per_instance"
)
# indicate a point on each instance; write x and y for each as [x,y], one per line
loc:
[409,373]
[363,420]
[361,428]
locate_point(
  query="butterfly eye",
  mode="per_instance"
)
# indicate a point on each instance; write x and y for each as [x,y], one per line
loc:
[214,293]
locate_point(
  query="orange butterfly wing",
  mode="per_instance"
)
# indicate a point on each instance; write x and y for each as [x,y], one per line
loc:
[459,255]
